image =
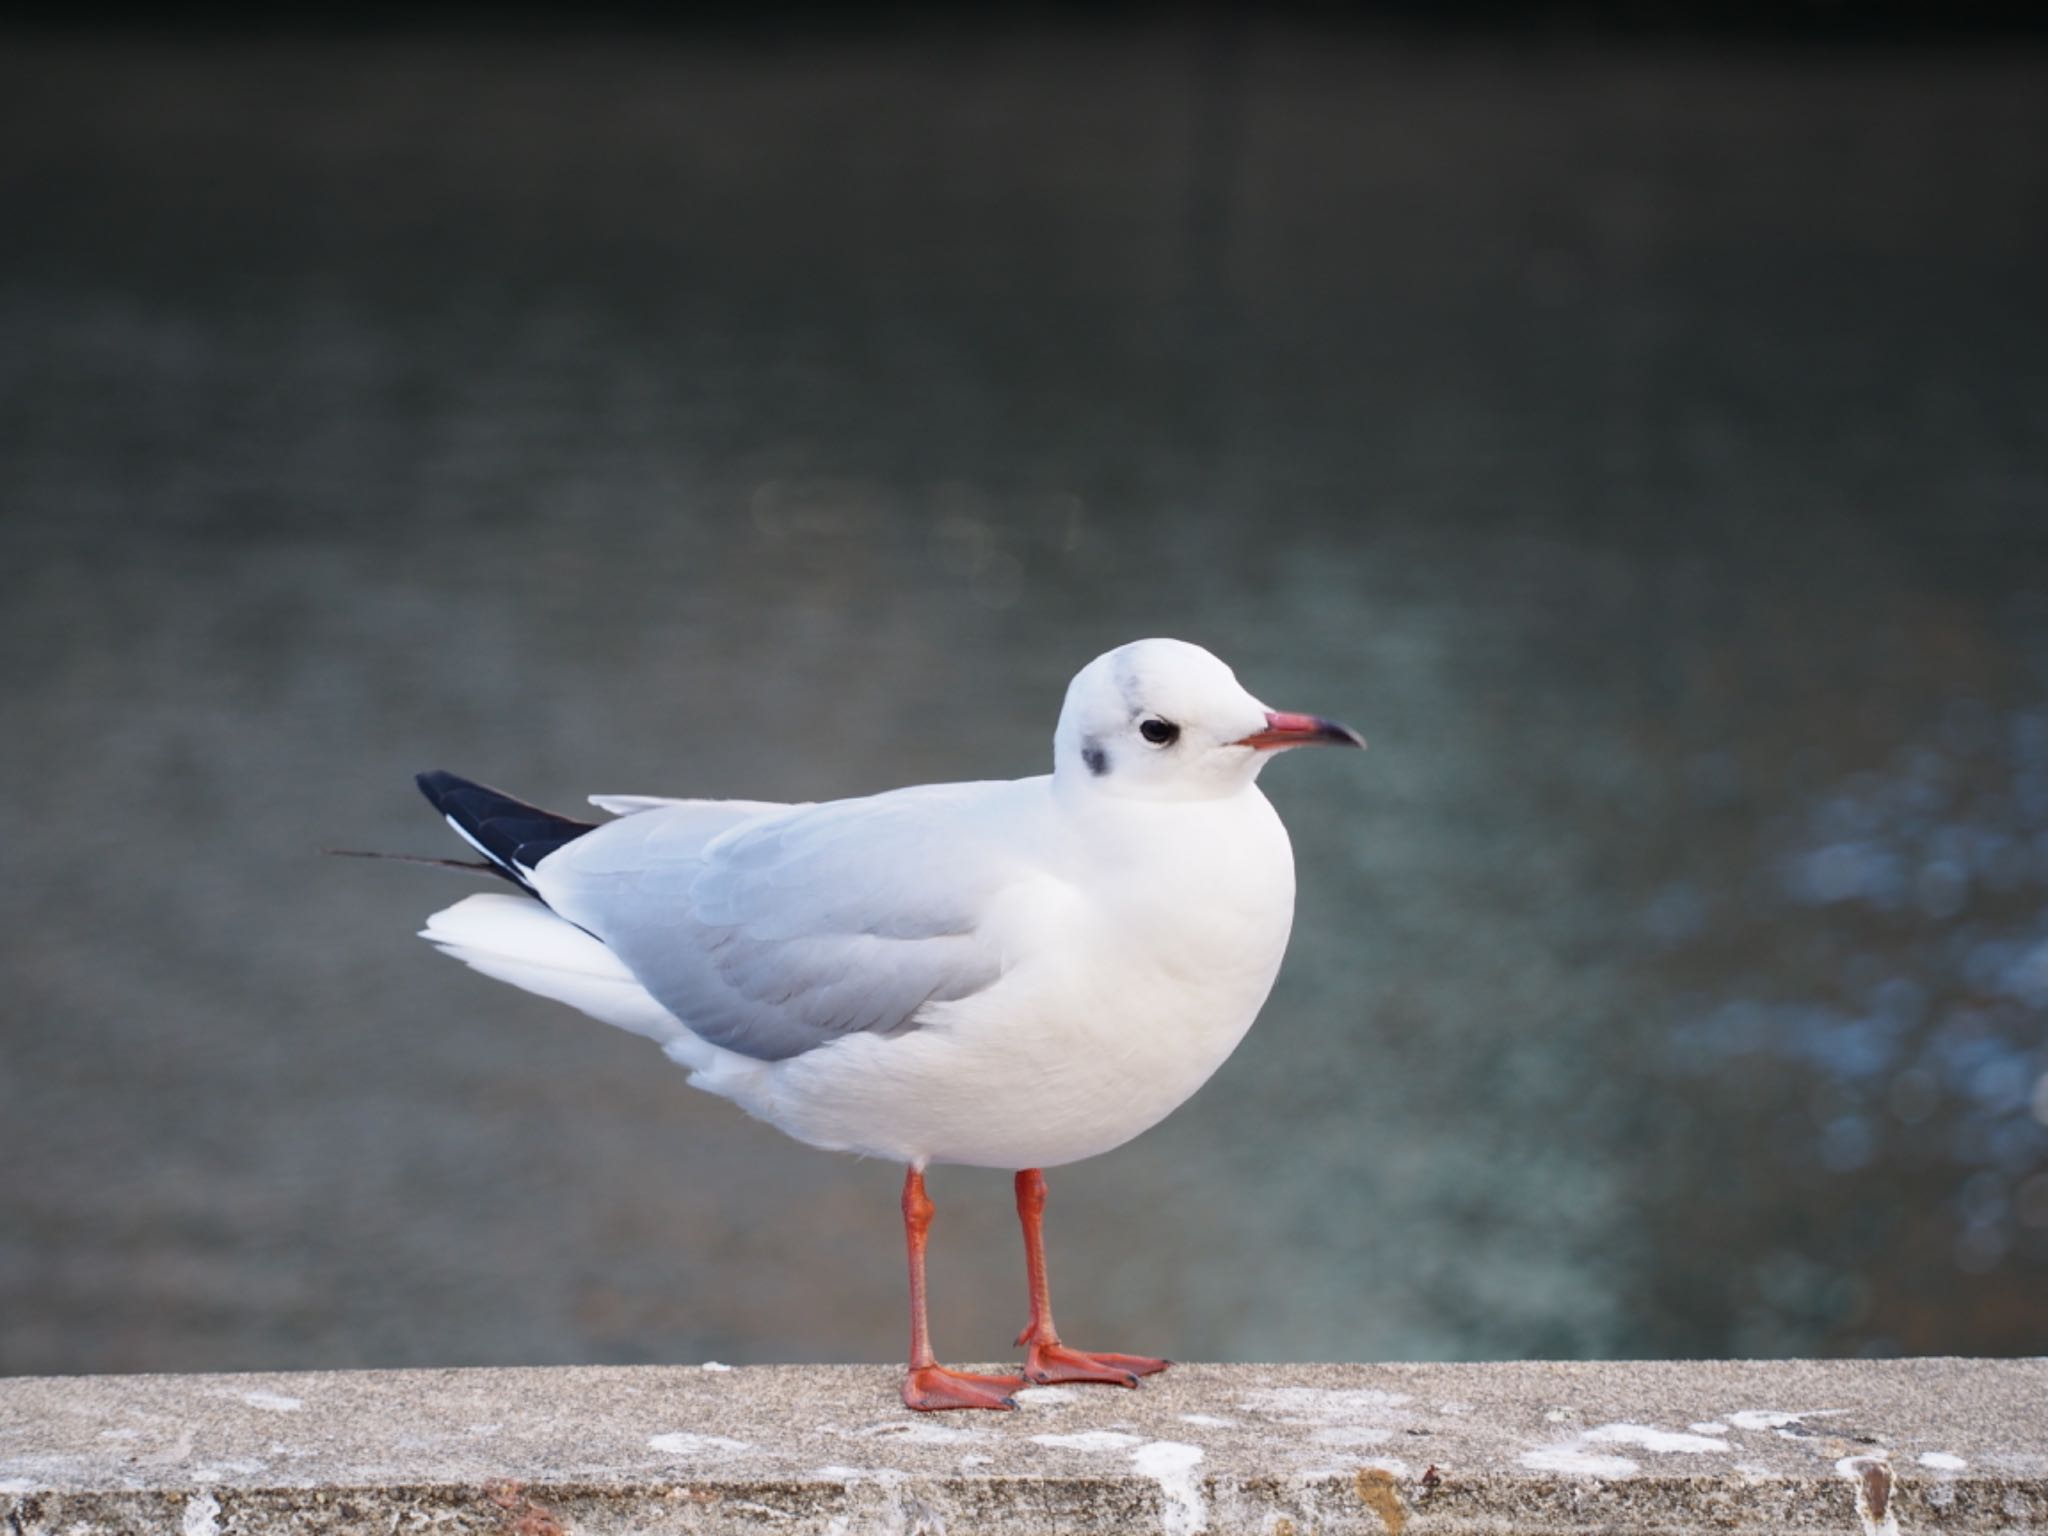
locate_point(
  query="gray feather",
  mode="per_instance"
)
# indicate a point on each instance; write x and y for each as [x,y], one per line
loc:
[773,934]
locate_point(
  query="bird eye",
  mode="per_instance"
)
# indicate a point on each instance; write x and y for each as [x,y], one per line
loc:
[1161,733]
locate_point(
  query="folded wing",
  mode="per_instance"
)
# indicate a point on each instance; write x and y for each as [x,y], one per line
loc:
[778,933]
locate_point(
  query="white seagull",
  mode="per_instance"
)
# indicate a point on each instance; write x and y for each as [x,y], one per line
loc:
[1009,974]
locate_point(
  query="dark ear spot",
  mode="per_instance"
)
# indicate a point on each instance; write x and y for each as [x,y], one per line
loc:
[1093,755]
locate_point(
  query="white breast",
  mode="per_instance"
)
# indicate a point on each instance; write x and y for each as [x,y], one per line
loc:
[1144,953]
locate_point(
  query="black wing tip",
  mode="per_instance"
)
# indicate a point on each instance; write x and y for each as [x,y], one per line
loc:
[438,783]
[508,831]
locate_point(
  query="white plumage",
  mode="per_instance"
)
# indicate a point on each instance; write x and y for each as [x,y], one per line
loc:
[1009,974]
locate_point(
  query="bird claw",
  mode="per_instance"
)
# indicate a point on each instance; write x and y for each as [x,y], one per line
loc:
[930,1388]
[1051,1364]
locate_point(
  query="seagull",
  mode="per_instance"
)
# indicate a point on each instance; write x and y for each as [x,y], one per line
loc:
[1011,974]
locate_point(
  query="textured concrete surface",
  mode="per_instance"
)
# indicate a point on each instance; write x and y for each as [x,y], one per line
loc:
[1864,1448]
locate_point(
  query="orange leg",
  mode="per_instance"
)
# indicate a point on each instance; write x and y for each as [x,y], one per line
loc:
[1049,1360]
[930,1385]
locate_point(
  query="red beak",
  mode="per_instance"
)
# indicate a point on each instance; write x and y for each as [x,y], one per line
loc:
[1284,730]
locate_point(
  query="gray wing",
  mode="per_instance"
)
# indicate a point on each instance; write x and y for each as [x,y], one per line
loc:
[632,805]
[777,934]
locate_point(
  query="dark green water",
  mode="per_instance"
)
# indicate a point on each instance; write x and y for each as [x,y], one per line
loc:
[1645,448]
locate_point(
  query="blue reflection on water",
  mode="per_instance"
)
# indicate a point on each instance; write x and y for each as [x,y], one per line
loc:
[1930,1037]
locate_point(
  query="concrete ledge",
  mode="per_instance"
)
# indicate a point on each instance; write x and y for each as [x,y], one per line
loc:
[1859,1448]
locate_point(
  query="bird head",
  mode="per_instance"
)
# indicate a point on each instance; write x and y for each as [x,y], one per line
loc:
[1165,720]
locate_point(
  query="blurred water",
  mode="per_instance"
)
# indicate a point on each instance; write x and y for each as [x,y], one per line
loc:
[1643,447]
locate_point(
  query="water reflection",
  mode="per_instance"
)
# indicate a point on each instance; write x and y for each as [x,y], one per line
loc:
[1669,978]
[1924,1053]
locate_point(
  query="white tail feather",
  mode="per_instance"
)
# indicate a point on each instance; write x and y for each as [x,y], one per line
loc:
[517,940]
